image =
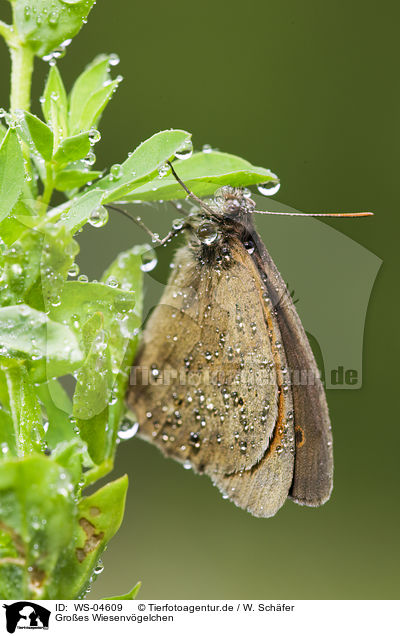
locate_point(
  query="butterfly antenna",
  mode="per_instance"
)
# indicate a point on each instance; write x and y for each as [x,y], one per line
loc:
[138,221]
[312,214]
[190,193]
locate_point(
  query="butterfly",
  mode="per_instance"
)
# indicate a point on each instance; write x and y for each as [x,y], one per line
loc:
[225,380]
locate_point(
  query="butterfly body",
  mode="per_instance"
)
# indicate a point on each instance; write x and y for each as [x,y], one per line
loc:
[212,384]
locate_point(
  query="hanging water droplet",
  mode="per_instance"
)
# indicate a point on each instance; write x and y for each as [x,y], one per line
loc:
[114,59]
[94,136]
[90,158]
[127,429]
[185,151]
[177,224]
[99,567]
[98,217]
[269,188]
[149,261]
[207,233]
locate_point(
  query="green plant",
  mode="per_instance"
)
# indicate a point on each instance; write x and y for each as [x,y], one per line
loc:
[53,447]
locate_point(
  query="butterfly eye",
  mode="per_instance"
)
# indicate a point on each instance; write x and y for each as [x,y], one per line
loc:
[207,233]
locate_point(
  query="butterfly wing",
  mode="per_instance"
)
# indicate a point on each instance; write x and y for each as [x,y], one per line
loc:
[313,470]
[216,394]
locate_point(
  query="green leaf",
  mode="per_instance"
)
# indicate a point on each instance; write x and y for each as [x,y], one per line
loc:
[49,346]
[81,210]
[7,432]
[87,84]
[202,173]
[21,267]
[38,518]
[46,25]
[11,227]
[95,105]
[71,178]
[129,596]
[58,410]
[55,105]
[124,330]
[58,254]
[71,455]
[73,148]
[93,388]
[3,132]
[35,133]
[11,172]
[143,164]
[80,300]
[25,409]
[99,517]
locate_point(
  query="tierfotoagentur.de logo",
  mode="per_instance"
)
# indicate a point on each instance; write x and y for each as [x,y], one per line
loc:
[26,615]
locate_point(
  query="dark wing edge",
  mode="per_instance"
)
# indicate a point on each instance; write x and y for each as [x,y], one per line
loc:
[313,470]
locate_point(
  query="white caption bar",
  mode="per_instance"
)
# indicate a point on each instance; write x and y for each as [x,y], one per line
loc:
[205,617]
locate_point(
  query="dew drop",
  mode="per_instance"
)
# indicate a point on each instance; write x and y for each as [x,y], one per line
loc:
[114,59]
[99,567]
[53,17]
[94,136]
[112,282]
[269,188]
[185,151]
[82,278]
[115,172]
[98,217]
[163,170]
[177,224]
[207,233]
[90,158]
[249,246]
[127,429]
[149,261]
[206,148]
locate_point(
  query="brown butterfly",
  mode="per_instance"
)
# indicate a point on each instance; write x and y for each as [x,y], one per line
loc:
[225,380]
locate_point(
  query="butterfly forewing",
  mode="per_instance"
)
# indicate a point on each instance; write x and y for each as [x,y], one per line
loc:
[212,398]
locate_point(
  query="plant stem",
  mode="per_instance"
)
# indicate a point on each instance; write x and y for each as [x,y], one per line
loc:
[49,185]
[97,472]
[21,76]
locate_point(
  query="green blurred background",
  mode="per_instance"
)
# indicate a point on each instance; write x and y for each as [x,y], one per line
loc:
[309,90]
